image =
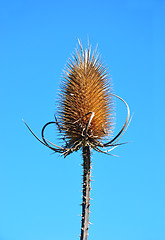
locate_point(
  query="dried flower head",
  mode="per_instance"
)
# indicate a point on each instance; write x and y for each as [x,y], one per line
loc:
[85,94]
[85,110]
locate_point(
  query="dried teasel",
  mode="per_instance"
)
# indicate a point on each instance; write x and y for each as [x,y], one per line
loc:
[85,116]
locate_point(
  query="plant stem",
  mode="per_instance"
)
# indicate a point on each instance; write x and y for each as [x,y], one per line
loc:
[86,192]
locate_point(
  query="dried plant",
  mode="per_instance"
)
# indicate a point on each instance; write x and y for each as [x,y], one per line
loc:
[85,116]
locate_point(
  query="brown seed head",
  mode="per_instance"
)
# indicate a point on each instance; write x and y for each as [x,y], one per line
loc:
[85,90]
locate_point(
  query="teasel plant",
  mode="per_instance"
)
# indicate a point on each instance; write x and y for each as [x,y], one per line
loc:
[85,117]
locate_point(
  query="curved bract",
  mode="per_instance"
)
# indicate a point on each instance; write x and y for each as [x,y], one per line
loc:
[96,145]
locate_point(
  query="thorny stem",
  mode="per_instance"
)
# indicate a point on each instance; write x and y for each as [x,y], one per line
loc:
[86,192]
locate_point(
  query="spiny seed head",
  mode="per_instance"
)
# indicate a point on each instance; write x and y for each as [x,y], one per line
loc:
[85,90]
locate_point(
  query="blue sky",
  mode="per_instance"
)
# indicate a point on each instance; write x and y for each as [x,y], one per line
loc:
[41,193]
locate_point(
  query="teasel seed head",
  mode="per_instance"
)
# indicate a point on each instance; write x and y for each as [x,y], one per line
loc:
[85,90]
[85,109]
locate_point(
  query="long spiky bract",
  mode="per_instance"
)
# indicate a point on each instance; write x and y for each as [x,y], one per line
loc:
[85,116]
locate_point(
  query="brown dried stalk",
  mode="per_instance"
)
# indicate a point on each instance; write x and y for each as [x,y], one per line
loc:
[85,116]
[86,192]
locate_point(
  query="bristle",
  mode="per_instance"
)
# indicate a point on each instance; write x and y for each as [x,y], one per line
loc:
[85,88]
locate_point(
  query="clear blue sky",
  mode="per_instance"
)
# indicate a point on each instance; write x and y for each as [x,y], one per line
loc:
[40,193]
